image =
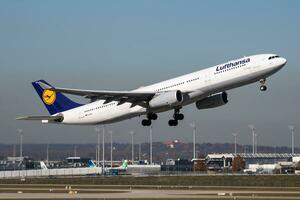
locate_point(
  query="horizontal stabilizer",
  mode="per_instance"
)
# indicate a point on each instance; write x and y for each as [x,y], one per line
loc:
[58,118]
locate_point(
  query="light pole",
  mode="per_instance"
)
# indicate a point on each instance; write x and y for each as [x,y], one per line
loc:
[253,137]
[20,131]
[111,149]
[292,129]
[96,155]
[97,129]
[75,150]
[194,139]
[150,145]
[14,150]
[47,151]
[256,142]
[234,135]
[178,165]
[103,146]
[132,147]
[140,151]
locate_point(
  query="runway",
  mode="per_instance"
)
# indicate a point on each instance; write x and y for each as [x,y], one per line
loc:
[115,192]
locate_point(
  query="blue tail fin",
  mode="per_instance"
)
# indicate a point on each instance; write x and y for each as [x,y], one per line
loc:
[91,164]
[55,102]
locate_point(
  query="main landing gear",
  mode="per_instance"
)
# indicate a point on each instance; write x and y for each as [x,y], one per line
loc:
[263,87]
[172,122]
[177,116]
[150,116]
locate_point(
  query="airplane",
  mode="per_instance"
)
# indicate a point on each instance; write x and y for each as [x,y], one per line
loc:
[206,88]
[117,170]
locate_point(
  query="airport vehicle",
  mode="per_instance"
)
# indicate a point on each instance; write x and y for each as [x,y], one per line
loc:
[206,88]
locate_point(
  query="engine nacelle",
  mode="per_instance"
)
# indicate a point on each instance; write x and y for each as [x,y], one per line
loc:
[169,98]
[213,101]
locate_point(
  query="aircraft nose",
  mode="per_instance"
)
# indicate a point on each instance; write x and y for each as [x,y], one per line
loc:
[284,61]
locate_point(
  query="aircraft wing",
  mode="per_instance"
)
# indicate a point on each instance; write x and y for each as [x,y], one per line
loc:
[42,118]
[136,98]
[103,93]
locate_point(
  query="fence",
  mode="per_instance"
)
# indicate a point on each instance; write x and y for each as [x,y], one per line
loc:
[50,172]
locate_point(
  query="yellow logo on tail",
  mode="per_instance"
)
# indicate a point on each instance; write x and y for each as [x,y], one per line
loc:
[49,97]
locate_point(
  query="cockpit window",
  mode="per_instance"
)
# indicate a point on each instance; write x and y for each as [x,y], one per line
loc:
[272,57]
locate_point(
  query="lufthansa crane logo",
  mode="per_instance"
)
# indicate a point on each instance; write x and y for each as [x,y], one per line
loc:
[49,97]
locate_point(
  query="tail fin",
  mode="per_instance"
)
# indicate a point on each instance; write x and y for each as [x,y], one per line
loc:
[55,102]
[124,164]
[43,165]
[91,164]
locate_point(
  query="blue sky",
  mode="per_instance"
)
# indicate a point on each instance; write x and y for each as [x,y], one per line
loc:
[125,44]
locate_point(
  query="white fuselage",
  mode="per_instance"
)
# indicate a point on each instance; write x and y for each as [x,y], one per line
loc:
[196,85]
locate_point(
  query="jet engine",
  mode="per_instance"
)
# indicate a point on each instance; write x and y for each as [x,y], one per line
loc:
[212,101]
[169,98]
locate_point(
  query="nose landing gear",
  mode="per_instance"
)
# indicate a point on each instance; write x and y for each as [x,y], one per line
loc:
[263,87]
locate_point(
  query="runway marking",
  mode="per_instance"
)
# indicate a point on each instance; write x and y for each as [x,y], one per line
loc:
[86,193]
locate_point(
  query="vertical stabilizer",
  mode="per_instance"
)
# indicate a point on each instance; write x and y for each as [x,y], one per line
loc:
[55,102]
